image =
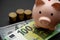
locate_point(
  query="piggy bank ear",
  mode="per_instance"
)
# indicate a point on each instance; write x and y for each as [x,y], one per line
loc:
[56,6]
[39,2]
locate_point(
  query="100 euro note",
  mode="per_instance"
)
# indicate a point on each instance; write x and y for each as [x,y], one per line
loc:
[30,32]
[6,30]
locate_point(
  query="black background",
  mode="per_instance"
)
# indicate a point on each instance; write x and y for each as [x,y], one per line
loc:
[7,6]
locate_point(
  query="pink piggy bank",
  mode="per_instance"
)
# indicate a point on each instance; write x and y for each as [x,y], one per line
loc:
[46,13]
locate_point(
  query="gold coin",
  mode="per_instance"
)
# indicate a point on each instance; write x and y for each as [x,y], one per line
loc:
[28,12]
[12,14]
[20,11]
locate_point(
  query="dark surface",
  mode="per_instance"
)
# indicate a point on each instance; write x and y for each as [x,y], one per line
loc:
[7,6]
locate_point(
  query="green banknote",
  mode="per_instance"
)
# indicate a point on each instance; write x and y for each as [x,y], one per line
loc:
[30,32]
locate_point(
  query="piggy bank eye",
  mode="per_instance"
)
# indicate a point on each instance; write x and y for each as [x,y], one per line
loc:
[39,12]
[51,14]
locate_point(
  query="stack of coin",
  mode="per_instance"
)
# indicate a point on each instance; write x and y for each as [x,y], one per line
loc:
[20,14]
[12,17]
[28,14]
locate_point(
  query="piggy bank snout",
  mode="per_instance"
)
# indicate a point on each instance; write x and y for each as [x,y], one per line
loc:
[44,20]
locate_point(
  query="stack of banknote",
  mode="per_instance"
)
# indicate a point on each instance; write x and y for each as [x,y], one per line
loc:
[28,31]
